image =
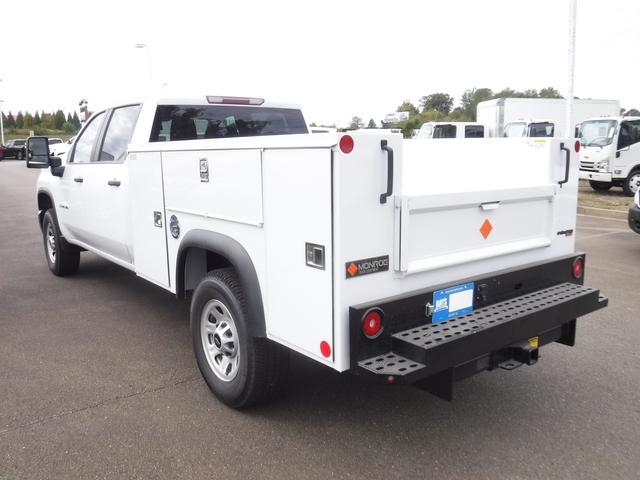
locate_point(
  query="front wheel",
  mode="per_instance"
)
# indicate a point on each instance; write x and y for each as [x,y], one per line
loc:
[632,183]
[20,155]
[63,258]
[600,186]
[240,369]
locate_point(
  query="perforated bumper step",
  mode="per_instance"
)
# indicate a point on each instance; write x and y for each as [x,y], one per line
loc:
[434,347]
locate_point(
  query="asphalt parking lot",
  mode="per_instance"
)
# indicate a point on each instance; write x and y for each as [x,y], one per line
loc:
[97,380]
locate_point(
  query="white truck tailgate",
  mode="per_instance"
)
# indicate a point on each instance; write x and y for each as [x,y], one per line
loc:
[470,215]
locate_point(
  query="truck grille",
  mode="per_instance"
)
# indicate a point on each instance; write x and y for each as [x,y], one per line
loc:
[587,166]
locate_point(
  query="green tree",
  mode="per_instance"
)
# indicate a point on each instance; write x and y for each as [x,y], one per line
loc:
[549,92]
[36,119]
[28,120]
[356,122]
[58,120]
[19,120]
[507,93]
[76,120]
[11,121]
[68,127]
[471,98]
[69,118]
[441,102]
[372,123]
[407,106]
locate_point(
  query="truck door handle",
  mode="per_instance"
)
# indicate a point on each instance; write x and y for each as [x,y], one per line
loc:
[389,150]
[114,183]
[78,180]
[567,164]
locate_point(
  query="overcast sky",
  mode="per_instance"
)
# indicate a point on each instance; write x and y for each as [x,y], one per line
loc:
[335,58]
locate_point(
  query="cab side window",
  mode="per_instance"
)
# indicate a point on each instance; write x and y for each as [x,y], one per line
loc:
[629,133]
[119,132]
[87,139]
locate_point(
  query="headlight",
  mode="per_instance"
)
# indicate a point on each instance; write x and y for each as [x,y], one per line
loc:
[602,164]
[636,198]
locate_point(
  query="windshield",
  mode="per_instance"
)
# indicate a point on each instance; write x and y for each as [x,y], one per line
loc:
[444,131]
[597,132]
[53,141]
[18,142]
[515,129]
[541,129]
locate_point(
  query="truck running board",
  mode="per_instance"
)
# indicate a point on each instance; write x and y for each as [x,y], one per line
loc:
[506,334]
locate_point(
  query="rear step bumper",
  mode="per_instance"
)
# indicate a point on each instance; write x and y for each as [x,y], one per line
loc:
[505,334]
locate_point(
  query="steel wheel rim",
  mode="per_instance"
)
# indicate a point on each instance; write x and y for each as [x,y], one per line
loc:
[220,340]
[634,183]
[51,243]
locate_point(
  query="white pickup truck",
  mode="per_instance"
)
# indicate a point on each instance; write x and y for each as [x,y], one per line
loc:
[351,249]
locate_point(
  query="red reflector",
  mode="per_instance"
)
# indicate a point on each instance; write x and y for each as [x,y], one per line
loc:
[578,267]
[372,323]
[576,146]
[325,349]
[346,144]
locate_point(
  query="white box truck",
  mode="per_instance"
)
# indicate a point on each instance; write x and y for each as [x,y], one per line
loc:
[539,117]
[347,248]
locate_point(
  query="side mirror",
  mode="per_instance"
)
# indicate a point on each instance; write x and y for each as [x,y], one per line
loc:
[37,152]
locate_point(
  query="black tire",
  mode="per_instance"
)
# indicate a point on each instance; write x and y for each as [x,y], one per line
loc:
[66,257]
[600,186]
[19,155]
[262,364]
[631,183]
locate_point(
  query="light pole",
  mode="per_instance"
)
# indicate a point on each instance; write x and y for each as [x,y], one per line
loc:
[1,123]
[148,47]
[571,57]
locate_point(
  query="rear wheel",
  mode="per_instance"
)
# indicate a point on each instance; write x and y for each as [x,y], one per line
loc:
[240,369]
[632,183]
[62,257]
[600,186]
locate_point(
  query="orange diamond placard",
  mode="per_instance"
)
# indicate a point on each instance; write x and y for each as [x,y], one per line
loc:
[353,269]
[485,228]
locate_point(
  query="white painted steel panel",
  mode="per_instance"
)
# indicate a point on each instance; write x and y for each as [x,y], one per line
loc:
[234,189]
[147,197]
[297,205]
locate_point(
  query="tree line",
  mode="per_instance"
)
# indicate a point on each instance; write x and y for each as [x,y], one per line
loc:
[439,107]
[41,121]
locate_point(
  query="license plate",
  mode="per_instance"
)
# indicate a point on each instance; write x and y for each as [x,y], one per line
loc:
[452,302]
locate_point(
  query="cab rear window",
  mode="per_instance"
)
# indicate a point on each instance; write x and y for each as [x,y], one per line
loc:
[195,122]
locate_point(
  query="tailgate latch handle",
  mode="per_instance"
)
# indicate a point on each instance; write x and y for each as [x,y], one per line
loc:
[567,164]
[389,150]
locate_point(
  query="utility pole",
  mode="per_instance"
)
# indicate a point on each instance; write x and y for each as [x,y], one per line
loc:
[569,132]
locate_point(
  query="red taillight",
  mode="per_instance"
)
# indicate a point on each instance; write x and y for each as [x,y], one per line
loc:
[372,323]
[576,146]
[235,100]
[346,144]
[578,267]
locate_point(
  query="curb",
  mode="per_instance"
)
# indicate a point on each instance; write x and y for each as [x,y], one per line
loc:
[603,212]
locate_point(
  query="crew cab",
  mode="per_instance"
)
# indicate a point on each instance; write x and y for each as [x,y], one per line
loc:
[15,149]
[346,248]
[610,154]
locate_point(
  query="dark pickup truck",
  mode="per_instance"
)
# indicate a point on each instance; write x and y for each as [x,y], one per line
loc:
[15,148]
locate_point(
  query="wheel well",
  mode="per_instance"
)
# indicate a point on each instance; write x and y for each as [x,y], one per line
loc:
[198,261]
[44,204]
